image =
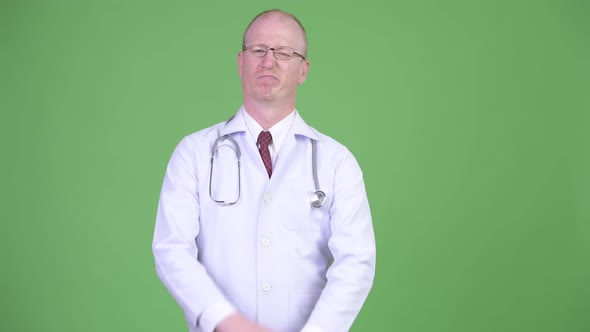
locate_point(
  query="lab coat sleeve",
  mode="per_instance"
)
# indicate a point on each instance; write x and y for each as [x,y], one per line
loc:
[352,244]
[174,244]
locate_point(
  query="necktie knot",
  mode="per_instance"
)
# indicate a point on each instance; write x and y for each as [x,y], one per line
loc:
[264,140]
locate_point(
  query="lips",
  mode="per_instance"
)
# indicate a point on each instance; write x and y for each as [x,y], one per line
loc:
[266,77]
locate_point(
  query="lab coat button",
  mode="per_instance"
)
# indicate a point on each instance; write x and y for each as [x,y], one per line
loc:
[265,242]
[266,287]
[267,198]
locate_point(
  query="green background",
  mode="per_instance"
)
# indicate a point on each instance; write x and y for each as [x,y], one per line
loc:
[469,119]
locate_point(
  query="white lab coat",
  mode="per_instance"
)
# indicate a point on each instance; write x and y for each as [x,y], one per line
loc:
[275,258]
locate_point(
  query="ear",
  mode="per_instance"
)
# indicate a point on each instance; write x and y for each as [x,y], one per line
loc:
[240,62]
[303,72]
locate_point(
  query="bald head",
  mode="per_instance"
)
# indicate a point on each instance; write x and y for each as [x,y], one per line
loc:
[281,15]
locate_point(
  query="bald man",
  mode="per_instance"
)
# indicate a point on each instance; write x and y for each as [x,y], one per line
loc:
[245,238]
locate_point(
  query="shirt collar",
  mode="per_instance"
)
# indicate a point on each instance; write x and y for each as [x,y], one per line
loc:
[278,131]
[237,124]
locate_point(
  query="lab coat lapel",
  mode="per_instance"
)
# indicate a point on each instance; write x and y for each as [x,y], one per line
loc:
[303,129]
[234,124]
[299,128]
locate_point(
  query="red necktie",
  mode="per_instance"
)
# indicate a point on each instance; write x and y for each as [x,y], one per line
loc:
[264,140]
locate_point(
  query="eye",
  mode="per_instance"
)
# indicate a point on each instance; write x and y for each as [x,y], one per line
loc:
[258,51]
[283,53]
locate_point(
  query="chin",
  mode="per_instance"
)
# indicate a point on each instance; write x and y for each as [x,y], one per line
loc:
[265,98]
[265,95]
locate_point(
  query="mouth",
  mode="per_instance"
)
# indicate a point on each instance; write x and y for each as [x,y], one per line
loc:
[266,77]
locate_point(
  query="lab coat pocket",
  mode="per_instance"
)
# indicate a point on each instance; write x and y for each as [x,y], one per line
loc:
[300,216]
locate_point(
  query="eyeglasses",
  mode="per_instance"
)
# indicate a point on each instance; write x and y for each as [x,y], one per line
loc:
[281,52]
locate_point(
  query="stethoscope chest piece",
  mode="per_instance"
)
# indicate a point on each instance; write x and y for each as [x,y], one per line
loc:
[318,198]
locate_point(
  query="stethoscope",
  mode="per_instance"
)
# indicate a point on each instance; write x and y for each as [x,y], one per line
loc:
[317,199]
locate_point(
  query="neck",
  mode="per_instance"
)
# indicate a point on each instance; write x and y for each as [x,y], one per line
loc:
[267,114]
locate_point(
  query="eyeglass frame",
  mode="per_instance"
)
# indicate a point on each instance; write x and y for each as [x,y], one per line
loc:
[273,49]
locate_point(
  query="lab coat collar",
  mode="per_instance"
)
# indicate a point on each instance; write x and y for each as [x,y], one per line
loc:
[236,124]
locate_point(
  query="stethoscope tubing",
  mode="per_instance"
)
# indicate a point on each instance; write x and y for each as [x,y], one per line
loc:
[238,153]
[317,199]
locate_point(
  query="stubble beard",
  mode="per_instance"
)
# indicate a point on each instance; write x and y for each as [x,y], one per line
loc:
[266,92]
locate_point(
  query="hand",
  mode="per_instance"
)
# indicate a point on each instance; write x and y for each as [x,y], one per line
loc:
[239,323]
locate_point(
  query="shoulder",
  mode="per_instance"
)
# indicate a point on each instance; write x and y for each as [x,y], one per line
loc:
[197,143]
[332,149]
[203,137]
[327,142]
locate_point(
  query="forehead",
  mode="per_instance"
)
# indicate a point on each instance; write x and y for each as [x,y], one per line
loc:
[275,28]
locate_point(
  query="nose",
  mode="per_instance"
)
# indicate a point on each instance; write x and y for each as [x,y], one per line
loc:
[269,60]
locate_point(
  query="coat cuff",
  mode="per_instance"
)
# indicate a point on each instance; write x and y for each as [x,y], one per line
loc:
[214,314]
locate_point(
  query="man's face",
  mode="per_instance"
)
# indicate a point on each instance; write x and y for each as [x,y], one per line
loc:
[267,78]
